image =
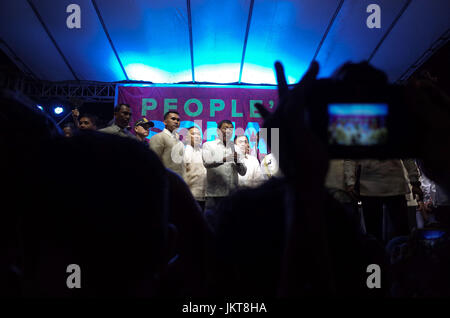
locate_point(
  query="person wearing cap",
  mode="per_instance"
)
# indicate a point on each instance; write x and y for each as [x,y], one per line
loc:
[167,144]
[142,129]
[120,127]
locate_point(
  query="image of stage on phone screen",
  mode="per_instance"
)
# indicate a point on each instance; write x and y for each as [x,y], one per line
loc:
[357,124]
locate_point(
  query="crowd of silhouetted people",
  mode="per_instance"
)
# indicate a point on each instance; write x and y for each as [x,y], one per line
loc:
[222,221]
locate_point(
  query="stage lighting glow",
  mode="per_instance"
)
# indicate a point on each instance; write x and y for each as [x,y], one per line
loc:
[58,110]
[142,72]
[256,74]
[217,73]
[40,107]
[139,67]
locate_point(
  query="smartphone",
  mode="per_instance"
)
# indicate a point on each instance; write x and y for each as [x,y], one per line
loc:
[362,121]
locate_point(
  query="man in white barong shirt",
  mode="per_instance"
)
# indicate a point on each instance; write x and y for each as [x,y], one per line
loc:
[223,164]
[167,144]
[253,177]
[195,176]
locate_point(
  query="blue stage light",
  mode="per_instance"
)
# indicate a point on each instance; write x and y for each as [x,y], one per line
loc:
[58,110]
[40,107]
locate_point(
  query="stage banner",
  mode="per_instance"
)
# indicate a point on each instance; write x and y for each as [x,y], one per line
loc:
[201,106]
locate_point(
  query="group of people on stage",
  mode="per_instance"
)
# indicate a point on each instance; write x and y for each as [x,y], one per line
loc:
[212,170]
[357,131]
[135,229]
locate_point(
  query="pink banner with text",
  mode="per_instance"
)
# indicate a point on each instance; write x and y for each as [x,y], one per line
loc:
[201,106]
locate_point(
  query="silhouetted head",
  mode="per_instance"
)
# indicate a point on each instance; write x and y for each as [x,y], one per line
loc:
[110,219]
[25,132]
[360,74]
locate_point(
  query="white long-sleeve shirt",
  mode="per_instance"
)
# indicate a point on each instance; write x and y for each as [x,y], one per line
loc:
[253,177]
[221,177]
[195,176]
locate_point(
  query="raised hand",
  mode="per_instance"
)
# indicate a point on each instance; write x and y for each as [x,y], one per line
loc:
[302,155]
[75,113]
[303,160]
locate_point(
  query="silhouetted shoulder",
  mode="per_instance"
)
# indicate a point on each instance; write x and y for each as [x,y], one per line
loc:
[250,230]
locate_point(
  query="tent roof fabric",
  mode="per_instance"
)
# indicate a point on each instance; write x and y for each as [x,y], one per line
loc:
[233,41]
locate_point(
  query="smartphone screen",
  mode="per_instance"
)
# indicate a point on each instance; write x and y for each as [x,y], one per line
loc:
[357,124]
